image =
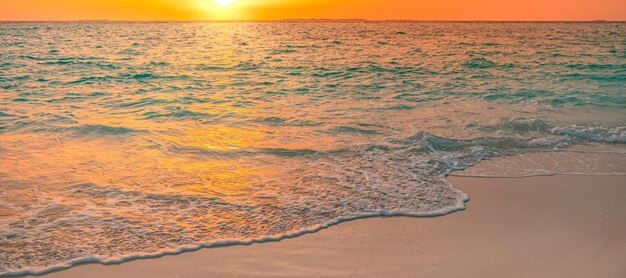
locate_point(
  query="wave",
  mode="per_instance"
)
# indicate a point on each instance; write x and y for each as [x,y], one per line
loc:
[479,63]
[352,130]
[444,154]
[177,115]
[98,129]
[91,80]
[407,176]
[226,243]
[142,103]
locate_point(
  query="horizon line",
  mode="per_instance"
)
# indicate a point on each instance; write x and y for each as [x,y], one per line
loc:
[307,20]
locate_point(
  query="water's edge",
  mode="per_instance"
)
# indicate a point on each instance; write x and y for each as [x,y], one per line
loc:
[462,200]
[227,243]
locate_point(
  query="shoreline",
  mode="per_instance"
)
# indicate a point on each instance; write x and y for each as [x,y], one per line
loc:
[305,20]
[335,235]
[234,243]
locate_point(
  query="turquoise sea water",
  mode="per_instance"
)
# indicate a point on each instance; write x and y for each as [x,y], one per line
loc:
[126,140]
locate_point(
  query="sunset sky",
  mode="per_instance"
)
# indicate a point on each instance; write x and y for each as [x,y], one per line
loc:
[303,9]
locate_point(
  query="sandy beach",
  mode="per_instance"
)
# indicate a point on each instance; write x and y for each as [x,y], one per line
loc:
[570,225]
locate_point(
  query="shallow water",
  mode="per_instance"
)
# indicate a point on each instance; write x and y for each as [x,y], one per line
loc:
[122,140]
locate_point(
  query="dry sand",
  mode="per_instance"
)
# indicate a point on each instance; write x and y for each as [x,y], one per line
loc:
[548,226]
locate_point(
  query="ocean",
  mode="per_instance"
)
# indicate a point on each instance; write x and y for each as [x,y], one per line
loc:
[133,140]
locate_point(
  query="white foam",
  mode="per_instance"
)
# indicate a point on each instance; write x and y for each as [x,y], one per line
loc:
[460,205]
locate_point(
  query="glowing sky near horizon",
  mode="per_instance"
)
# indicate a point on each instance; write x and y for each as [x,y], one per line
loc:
[300,9]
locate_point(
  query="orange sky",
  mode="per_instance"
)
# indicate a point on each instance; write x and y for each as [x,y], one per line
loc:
[283,9]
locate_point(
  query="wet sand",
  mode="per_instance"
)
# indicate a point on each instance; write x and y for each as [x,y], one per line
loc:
[545,226]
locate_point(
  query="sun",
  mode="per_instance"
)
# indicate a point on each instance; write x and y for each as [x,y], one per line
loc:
[224,3]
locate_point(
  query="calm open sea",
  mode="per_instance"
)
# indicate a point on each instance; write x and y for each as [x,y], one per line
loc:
[125,140]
